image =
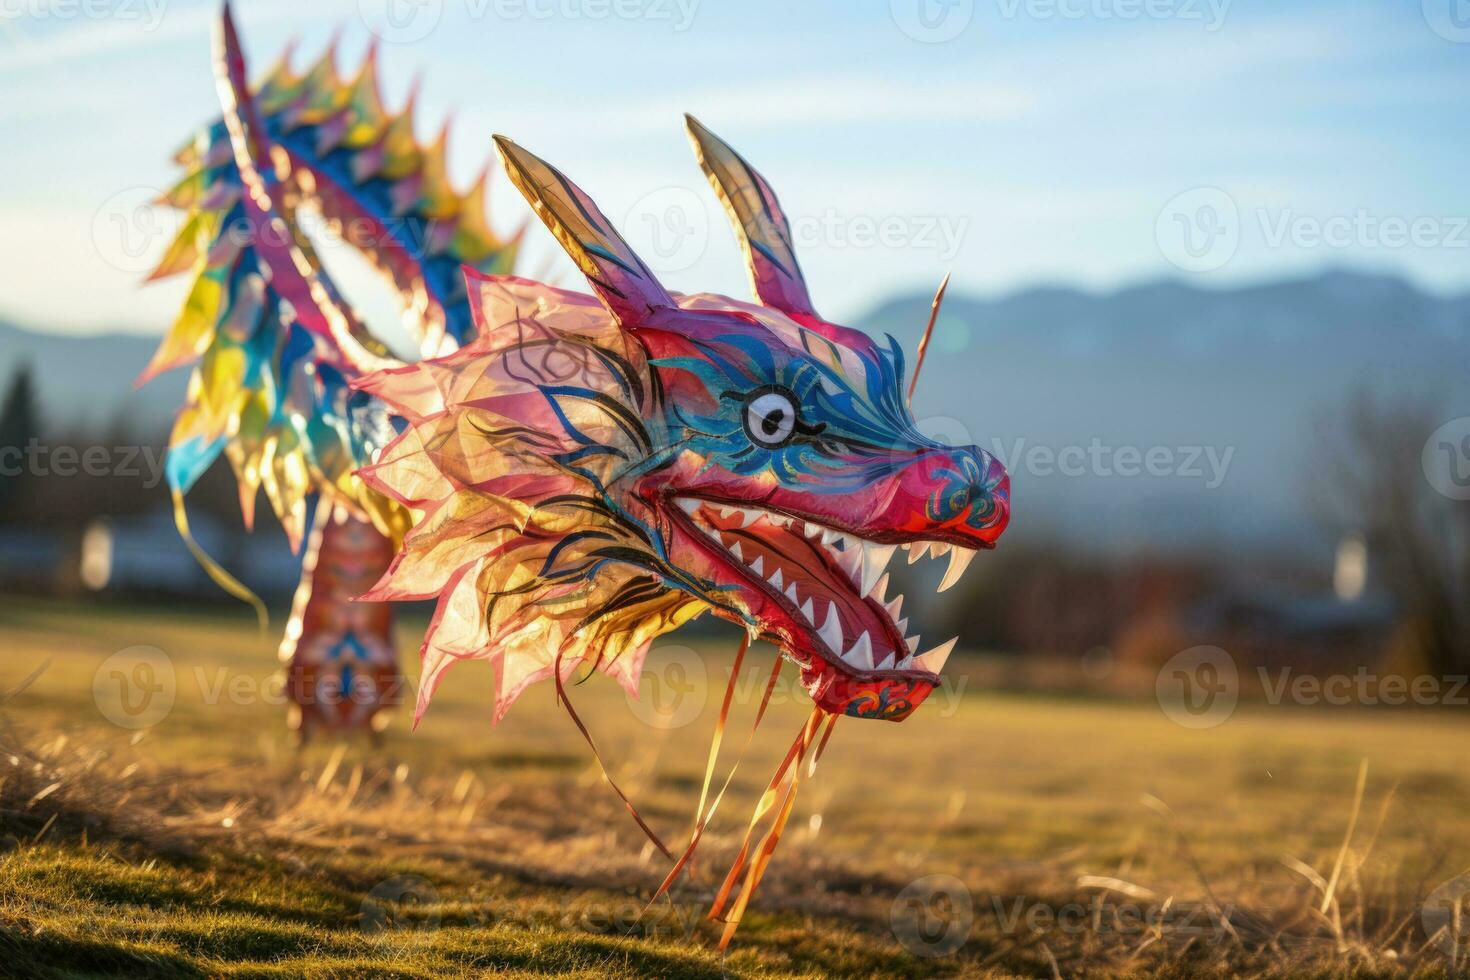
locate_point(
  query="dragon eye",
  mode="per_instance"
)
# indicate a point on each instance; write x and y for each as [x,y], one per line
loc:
[770,417]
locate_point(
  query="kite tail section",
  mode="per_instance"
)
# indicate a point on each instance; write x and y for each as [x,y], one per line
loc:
[341,670]
[272,342]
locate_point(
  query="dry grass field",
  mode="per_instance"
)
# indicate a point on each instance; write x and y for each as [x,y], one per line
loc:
[989,835]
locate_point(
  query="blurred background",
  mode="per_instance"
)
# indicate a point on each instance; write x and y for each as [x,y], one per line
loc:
[1210,297]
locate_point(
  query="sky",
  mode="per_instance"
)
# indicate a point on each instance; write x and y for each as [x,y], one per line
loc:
[1094,143]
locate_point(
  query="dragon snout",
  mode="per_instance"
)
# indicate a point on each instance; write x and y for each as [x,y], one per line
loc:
[968,492]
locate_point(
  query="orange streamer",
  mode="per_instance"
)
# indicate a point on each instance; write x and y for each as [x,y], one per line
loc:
[755,869]
[703,816]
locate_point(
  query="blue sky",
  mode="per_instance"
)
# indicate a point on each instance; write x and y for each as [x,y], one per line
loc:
[1088,142]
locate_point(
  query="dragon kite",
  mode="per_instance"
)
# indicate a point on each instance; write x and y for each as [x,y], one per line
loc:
[568,475]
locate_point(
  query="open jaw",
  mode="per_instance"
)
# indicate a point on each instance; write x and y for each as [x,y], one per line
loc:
[822,592]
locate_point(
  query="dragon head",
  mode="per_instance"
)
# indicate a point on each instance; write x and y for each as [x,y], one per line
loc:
[592,471]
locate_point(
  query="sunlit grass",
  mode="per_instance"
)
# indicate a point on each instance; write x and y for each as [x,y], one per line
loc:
[206,845]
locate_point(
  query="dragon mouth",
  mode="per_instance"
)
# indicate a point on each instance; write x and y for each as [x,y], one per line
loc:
[821,590]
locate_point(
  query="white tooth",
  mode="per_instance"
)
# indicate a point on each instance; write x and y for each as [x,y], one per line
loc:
[875,560]
[933,660]
[912,642]
[791,592]
[829,535]
[861,653]
[902,624]
[809,612]
[757,566]
[880,589]
[850,558]
[882,657]
[735,550]
[780,520]
[895,607]
[748,517]
[687,505]
[918,551]
[831,631]
[959,560]
[725,512]
[938,549]
[813,530]
[907,663]
[775,580]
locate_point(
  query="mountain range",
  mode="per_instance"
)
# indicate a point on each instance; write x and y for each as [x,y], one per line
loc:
[1153,416]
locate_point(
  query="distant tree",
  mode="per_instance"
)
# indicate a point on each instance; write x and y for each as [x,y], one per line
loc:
[1372,481]
[19,424]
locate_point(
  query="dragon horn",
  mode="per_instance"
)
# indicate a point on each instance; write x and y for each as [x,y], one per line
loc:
[620,278]
[759,222]
[241,116]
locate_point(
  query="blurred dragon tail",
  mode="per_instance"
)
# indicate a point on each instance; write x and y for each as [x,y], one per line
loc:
[272,341]
[275,346]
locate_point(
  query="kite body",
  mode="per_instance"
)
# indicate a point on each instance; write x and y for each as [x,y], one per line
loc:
[566,475]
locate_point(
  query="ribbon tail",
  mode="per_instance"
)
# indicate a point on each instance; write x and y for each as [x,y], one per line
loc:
[561,696]
[213,568]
